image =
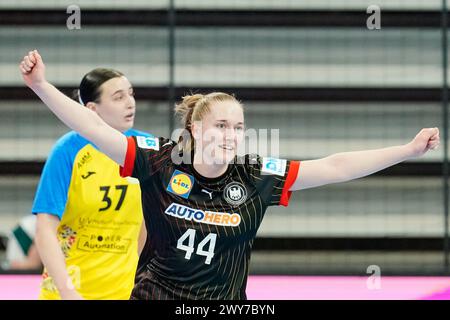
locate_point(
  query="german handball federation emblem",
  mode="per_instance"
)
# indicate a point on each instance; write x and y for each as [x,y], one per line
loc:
[235,193]
[181,184]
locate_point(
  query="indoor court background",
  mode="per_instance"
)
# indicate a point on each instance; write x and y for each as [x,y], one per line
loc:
[311,69]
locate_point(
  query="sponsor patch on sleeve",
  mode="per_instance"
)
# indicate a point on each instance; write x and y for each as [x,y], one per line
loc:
[147,143]
[274,166]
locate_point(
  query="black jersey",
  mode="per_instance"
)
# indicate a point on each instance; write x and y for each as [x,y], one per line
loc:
[201,230]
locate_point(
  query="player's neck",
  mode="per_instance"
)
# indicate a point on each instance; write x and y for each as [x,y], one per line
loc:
[208,170]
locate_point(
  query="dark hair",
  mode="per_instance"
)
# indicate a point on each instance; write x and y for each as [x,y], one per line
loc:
[89,90]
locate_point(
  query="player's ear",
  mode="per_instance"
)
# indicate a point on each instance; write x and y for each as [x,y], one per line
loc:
[92,106]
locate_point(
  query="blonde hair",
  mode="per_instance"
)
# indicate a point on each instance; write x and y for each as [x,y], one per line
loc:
[193,108]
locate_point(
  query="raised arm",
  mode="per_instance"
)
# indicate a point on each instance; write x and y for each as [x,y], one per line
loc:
[84,121]
[341,167]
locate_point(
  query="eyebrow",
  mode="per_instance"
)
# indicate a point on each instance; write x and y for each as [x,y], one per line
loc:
[227,121]
[120,90]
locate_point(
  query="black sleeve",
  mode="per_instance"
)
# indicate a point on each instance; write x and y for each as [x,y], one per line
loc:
[272,177]
[145,156]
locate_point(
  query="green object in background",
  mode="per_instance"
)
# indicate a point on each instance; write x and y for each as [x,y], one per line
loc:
[23,239]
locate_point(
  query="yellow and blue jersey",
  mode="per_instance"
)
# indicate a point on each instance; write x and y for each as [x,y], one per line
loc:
[100,218]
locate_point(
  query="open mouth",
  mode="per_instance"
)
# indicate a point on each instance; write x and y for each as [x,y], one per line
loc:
[129,116]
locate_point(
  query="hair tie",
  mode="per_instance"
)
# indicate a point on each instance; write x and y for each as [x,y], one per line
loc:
[79,98]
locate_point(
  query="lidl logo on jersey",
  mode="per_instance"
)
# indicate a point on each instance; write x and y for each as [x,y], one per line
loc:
[274,166]
[148,143]
[210,217]
[181,184]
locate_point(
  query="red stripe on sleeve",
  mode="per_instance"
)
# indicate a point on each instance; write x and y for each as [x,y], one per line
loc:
[290,179]
[128,166]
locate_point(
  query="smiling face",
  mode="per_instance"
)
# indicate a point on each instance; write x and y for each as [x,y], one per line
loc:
[116,104]
[220,132]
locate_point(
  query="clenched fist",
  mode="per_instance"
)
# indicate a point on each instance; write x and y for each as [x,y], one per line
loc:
[426,139]
[33,69]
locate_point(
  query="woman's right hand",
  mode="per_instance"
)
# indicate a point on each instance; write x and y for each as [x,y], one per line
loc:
[33,69]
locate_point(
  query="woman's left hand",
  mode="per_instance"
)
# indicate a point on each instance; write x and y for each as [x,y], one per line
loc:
[426,139]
